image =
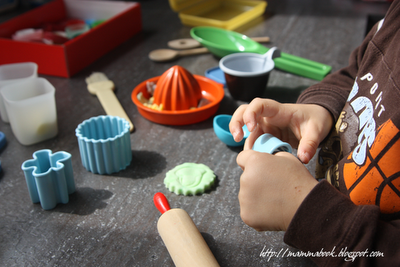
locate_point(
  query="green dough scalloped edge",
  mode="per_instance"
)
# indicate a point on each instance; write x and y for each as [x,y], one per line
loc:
[189,179]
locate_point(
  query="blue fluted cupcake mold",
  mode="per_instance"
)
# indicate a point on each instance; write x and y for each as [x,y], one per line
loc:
[49,177]
[104,144]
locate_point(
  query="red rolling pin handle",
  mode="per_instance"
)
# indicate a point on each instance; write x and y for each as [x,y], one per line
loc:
[161,202]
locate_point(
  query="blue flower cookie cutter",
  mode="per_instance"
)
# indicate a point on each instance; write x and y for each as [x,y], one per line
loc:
[268,143]
[49,178]
[104,144]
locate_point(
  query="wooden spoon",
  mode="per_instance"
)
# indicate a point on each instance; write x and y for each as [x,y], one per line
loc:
[187,43]
[161,55]
[264,39]
[184,43]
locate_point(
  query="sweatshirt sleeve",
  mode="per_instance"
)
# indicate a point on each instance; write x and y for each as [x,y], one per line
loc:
[343,233]
[332,92]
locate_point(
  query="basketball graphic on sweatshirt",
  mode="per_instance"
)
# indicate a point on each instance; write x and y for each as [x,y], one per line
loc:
[377,181]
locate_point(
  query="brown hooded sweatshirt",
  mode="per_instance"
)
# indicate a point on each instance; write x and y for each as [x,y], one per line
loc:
[354,212]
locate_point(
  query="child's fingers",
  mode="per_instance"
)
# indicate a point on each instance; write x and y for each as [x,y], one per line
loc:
[236,124]
[252,138]
[276,113]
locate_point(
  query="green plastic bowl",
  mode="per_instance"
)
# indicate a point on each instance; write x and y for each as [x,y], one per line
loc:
[222,42]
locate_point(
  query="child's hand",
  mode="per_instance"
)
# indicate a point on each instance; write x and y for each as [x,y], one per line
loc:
[272,187]
[300,125]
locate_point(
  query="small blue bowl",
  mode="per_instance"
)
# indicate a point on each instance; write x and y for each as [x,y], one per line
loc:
[221,129]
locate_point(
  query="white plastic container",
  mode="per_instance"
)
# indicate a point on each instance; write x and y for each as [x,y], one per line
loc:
[31,109]
[12,73]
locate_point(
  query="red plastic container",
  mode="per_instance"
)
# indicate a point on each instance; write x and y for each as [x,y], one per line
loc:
[123,20]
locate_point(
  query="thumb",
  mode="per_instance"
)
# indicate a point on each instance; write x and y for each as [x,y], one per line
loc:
[308,146]
[248,157]
[242,158]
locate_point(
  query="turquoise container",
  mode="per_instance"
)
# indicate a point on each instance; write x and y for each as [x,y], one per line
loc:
[104,144]
[267,143]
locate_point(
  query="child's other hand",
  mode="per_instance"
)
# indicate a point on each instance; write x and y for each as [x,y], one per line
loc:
[272,187]
[302,126]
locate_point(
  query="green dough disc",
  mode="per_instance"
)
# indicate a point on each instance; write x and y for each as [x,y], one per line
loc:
[189,179]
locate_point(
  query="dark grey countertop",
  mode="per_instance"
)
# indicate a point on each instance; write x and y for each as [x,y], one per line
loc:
[111,220]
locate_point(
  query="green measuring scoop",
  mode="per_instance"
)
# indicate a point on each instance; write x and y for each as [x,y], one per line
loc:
[222,42]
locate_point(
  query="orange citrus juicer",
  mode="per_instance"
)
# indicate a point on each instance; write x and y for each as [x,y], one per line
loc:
[179,98]
[177,89]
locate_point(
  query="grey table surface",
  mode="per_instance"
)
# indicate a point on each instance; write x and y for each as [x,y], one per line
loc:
[111,220]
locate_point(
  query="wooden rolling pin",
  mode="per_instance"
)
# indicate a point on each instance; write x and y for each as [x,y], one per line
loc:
[180,235]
